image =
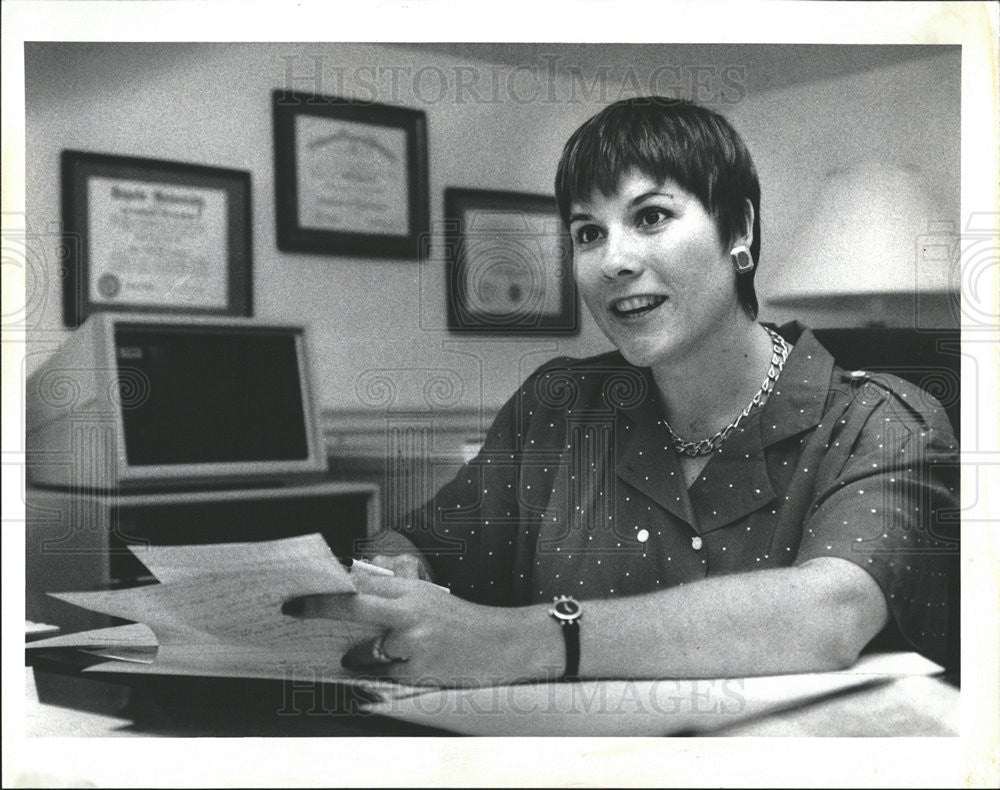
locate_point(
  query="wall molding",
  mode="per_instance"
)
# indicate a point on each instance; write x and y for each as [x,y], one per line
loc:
[366,434]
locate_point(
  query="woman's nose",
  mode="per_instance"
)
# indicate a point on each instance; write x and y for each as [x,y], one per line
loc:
[622,257]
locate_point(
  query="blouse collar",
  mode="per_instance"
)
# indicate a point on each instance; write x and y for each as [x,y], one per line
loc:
[739,466]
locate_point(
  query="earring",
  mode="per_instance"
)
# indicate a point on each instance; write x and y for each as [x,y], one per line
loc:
[742,259]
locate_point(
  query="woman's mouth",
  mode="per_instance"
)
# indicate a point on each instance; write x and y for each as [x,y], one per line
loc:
[636,306]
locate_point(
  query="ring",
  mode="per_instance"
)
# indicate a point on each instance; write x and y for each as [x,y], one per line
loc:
[379,656]
[378,651]
[369,654]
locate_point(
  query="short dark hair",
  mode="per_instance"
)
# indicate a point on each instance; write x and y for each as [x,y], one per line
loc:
[667,138]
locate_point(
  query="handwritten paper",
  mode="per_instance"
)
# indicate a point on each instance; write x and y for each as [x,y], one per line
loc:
[130,635]
[315,665]
[223,607]
[138,655]
[175,563]
[219,612]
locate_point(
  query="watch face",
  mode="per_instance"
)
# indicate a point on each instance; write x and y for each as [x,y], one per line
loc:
[566,609]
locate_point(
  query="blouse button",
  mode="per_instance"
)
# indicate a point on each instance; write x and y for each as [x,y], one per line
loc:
[642,536]
[696,543]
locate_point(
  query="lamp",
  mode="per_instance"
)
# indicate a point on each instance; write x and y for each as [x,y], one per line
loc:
[874,251]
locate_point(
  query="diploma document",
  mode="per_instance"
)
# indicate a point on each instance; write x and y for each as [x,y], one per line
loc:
[158,244]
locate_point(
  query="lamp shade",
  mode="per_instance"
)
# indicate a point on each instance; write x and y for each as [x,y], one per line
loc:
[873,237]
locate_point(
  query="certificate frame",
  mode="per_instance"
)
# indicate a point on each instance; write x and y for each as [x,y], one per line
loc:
[116,210]
[350,176]
[509,264]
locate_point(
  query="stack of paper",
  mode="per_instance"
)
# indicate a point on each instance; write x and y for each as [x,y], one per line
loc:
[217,612]
[645,707]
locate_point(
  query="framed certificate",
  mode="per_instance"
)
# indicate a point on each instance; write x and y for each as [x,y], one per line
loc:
[509,264]
[350,177]
[147,235]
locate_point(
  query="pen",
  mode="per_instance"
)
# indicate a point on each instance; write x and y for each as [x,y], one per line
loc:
[378,570]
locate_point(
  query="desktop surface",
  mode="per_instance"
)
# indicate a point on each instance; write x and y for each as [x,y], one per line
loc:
[63,700]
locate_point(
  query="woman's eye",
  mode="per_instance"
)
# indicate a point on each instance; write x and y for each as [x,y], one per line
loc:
[588,234]
[652,216]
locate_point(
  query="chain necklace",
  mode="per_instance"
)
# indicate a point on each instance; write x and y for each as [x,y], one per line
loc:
[779,353]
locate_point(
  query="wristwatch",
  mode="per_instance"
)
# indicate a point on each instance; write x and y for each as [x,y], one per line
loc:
[566,611]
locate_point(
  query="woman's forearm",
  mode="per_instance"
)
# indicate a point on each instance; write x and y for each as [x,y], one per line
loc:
[814,617]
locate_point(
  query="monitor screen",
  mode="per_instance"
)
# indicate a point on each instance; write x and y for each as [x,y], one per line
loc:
[198,397]
[138,402]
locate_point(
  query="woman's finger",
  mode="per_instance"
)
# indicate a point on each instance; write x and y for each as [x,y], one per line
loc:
[384,586]
[332,606]
[407,566]
[404,565]
[358,607]
[383,561]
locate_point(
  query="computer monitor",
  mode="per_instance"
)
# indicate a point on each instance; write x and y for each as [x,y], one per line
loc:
[137,401]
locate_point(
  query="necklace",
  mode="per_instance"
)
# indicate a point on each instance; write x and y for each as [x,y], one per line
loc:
[779,353]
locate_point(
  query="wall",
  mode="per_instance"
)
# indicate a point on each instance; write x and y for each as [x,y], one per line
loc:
[902,113]
[210,104]
[801,110]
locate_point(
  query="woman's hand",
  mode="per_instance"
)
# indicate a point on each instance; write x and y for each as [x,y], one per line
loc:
[406,566]
[434,638]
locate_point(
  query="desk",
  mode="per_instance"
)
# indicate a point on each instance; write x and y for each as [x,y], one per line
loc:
[142,705]
[62,701]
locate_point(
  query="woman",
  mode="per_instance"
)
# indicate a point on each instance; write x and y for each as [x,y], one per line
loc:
[713,499]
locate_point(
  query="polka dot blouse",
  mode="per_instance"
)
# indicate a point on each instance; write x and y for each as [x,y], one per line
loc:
[577,491]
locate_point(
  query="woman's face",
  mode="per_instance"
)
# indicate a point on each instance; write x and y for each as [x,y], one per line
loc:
[652,270]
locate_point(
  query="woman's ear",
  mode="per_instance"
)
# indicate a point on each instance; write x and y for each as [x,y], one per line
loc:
[748,218]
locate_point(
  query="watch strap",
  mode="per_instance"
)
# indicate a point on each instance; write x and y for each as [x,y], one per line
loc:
[567,612]
[571,635]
